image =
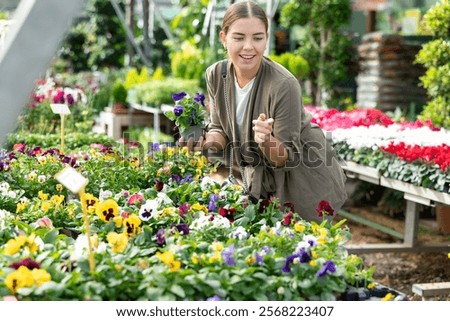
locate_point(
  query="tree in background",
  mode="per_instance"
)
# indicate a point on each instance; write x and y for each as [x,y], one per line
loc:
[435,56]
[97,41]
[324,47]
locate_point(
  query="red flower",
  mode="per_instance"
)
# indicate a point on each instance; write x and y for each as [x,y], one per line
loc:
[263,205]
[227,213]
[29,263]
[159,185]
[287,219]
[324,208]
[289,205]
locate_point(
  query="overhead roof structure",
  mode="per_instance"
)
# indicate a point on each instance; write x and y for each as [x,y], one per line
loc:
[31,41]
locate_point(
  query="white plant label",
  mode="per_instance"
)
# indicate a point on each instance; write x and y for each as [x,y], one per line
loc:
[71,179]
[61,109]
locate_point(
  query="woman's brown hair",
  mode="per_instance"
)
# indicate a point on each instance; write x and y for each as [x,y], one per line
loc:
[243,9]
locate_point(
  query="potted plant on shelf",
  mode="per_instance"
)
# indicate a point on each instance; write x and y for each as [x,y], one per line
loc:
[119,98]
[189,115]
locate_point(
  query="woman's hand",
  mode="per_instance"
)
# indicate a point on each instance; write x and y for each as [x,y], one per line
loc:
[262,129]
[190,143]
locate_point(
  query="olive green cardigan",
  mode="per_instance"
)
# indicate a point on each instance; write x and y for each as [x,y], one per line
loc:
[312,172]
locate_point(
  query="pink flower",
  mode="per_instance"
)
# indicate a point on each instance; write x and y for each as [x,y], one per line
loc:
[45,222]
[135,199]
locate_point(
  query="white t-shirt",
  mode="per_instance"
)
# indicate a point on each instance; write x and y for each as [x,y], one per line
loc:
[242,95]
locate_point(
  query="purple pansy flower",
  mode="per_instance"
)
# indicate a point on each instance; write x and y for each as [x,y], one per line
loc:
[184,208]
[178,96]
[328,266]
[70,99]
[182,228]
[287,265]
[200,98]
[160,237]
[176,178]
[227,255]
[304,256]
[259,258]
[178,110]
[212,202]
[187,179]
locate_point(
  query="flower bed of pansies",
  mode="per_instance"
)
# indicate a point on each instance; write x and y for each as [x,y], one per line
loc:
[412,152]
[161,229]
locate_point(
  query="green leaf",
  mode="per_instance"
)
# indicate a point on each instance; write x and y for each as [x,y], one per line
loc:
[51,236]
[177,290]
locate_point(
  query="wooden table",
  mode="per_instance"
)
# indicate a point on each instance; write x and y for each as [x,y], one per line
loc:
[413,195]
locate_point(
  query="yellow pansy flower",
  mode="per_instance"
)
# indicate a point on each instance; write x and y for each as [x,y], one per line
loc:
[170,151]
[40,276]
[118,220]
[216,257]
[117,241]
[22,277]
[217,246]
[169,211]
[185,150]
[201,163]
[89,202]
[132,225]
[57,199]
[45,206]
[168,258]
[388,297]
[12,247]
[300,228]
[21,206]
[199,207]
[107,210]
[313,263]
[194,258]
[42,196]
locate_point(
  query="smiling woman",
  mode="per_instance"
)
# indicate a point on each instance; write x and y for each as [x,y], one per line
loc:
[257,117]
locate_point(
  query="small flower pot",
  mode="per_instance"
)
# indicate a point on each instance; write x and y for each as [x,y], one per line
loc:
[194,131]
[119,108]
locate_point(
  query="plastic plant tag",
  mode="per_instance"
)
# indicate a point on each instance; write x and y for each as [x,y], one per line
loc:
[71,179]
[61,109]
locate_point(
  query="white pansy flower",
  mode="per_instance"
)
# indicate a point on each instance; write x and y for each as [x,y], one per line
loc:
[80,248]
[163,199]
[4,186]
[149,209]
[240,233]
[220,221]
[104,195]
[200,222]
[206,183]
[11,194]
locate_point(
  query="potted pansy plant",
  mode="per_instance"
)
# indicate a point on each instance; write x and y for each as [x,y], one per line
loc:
[189,114]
